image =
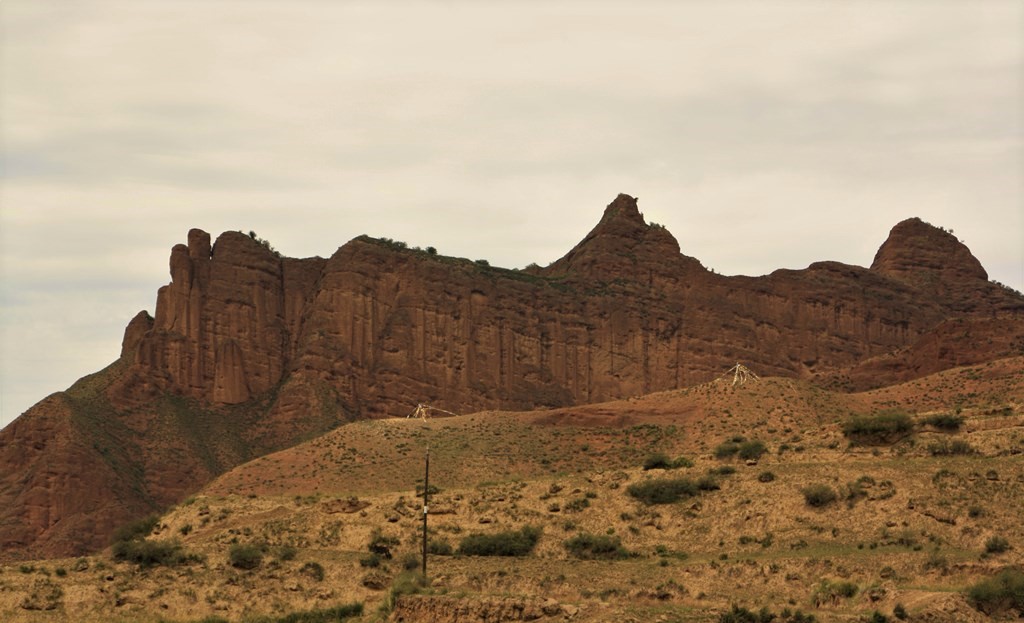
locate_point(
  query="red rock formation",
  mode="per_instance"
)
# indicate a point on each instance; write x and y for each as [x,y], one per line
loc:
[250,352]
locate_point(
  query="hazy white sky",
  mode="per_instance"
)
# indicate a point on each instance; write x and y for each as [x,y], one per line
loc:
[763,134]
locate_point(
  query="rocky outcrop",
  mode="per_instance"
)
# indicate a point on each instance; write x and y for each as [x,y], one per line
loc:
[249,351]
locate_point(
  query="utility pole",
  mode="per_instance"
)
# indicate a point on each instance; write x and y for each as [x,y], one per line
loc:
[426,493]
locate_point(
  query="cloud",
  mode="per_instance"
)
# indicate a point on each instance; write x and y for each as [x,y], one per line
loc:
[763,135]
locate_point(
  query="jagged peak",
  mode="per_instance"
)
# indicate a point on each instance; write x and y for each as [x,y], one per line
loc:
[621,245]
[915,249]
[623,208]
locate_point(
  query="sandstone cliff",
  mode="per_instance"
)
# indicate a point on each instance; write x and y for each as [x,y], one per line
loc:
[250,352]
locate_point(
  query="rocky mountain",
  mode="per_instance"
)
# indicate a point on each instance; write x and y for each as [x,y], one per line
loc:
[250,352]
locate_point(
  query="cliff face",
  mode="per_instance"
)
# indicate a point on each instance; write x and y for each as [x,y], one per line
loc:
[250,352]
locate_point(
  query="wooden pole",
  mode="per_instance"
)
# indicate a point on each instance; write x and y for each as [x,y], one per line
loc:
[426,492]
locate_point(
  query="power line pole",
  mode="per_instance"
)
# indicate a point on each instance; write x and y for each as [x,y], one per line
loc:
[426,493]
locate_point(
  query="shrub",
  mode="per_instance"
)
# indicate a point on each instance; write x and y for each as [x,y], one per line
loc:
[594,546]
[371,561]
[899,612]
[515,543]
[739,614]
[681,461]
[877,429]
[151,553]
[410,561]
[314,570]
[996,545]
[245,556]
[765,477]
[138,529]
[751,450]
[726,449]
[662,491]
[945,421]
[1000,593]
[407,583]
[708,483]
[723,470]
[819,495]
[439,547]
[831,592]
[950,448]
[380,544]
[328,615]
[657,461]
[576,505]
[287,552]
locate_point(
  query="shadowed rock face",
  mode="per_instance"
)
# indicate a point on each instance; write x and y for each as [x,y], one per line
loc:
[250,352]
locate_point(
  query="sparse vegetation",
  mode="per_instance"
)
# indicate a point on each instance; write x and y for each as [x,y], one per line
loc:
[662,491]
[151,553]
[513,543]
[1001,593]
[882,428]
[588,546]
[138,529]
[944,421]
[739,614]
[819,495]
[950,448]
[830,593]
[996,545]
[245,556]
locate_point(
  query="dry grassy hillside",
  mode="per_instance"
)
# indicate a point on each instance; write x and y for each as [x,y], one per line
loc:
[919,514]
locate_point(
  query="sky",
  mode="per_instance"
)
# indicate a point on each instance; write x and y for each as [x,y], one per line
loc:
[763,135]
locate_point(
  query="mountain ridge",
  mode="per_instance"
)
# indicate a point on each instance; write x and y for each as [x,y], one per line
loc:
[257,351]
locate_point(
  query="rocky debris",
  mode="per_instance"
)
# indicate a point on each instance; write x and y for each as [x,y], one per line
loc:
[348,505]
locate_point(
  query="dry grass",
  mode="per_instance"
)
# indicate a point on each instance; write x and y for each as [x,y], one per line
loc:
[907,527]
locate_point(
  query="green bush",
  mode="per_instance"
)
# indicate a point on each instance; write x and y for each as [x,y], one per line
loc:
[765,477]
[819,495]
[708,483]
[831,592]
[998,594]
[726,449]
[996,545]
[900,612]
[596,547]
[439,547]
[681,461]
[515,543]
[751,450]
[151,553]
[662,491]
[370,561]
[877,429]
[138,529]
[950,448]
[945,421]
[658,460]
[328,615]
[245,556]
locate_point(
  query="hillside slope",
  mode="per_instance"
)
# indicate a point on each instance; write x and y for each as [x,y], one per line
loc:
[911,525]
